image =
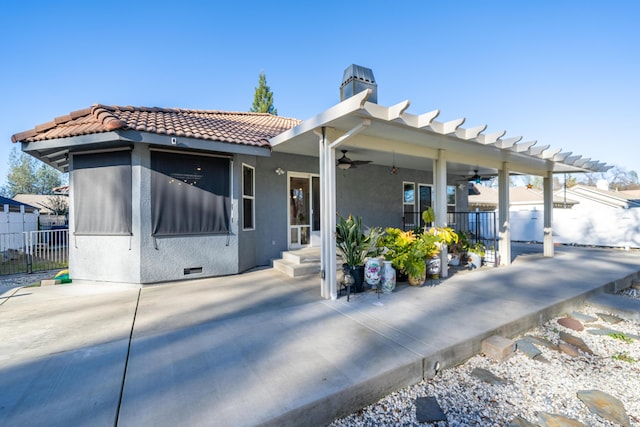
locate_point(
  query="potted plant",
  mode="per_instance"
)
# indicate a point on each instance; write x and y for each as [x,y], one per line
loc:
[475,252]
[354,245]
[409,251]
[458,250]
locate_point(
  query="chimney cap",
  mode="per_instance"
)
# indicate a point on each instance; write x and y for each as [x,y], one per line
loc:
[358,72]
[357,78]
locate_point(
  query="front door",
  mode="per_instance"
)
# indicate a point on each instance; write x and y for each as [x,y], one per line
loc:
[304,210]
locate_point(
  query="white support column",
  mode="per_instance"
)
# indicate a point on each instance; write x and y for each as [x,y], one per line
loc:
[547,184]
[328,208]
[504,236]
[440,209]
[324,226]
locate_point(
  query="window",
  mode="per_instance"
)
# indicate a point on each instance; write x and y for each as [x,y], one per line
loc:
[451,198]
[409,200]
[248,197]
[102,193]
[190,194]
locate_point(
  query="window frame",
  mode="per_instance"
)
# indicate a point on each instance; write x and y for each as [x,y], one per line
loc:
[249,197]
[451,207]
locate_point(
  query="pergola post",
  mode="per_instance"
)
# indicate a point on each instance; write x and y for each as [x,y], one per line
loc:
[504,234]
[325,254]
[547,185]
[440,210]
[328,208]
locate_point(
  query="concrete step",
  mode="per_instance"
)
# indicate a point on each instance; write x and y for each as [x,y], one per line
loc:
[300,262]
[302,256]
[296,269]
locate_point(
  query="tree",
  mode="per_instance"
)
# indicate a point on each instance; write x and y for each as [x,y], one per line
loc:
[27,175]
[57,204]
[263,98]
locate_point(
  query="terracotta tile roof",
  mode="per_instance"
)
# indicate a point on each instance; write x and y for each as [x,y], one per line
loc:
[235,127]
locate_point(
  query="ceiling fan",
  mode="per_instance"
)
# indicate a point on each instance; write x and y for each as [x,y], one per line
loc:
[477,179]
[346,163]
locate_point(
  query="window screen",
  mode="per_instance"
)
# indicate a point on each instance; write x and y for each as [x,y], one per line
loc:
[189,194]
[102,193]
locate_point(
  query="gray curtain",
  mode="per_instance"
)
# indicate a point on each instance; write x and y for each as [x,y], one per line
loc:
[189,194]
[102,193]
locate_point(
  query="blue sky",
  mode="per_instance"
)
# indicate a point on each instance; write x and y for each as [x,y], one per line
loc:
[565,73]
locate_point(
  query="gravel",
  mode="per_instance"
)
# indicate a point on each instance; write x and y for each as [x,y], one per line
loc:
[16,280]
[533,385]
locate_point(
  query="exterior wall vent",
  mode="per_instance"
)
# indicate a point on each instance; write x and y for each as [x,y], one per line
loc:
[356,79]
[193,270]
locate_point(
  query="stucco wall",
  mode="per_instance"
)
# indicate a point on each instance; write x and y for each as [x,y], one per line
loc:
[247,239]
[272,202]
[374,194]
[141,258]
[106,258]
[166,258]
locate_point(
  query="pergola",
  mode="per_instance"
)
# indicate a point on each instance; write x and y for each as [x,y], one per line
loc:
[420,142]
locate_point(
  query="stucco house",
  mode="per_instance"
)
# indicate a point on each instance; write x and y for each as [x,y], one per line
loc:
[159,194]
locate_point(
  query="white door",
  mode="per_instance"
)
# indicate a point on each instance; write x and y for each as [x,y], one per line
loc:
[304,210]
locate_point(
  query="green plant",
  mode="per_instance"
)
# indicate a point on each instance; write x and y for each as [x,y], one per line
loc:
[621,336]
[409,251]
[355,244]
[477,248]
[624,357]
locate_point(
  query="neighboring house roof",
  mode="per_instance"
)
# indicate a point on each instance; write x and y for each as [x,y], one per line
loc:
[15,204]
[234,127]
[617,199]
[62,190]
[40,201]
[487,197]
[631,194]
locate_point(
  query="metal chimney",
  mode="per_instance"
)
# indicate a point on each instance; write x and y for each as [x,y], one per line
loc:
[356,79]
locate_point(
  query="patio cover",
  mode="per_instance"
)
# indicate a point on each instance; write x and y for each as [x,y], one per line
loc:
[380,134]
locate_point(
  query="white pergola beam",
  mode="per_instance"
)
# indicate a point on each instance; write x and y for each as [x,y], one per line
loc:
[446,128]
[535,151]
[471,132]
[490,138]
[550,153]
[396,111]
[580,163]
[507,142]
[561,156]
[572,160]
[425,120]
[523,146]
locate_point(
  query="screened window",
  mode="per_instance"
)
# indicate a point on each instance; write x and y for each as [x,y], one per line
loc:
[248,197]
[451,198]
[190,194]
[102,193]
[408,204]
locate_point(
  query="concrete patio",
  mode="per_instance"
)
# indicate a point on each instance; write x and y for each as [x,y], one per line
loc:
[261,348]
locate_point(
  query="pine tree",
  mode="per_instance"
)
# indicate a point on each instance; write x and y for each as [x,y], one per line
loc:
[263,98]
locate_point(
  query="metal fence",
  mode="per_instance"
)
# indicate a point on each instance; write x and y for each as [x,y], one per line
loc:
[32,251]
[481,227]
